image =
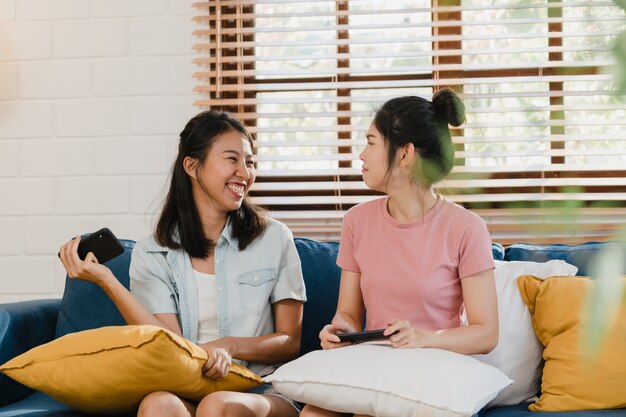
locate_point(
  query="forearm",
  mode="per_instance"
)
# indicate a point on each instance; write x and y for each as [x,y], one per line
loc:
[129,307]
[468,340]
[351,319]
[271,348]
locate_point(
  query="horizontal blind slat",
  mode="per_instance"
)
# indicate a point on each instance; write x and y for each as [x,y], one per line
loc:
[473,183]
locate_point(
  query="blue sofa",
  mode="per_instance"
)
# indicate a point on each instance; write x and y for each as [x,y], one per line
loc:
[24,325]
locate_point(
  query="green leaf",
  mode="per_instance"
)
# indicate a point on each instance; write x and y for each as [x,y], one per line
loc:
[621,3]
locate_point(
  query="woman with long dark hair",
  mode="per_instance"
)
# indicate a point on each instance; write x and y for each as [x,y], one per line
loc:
[216,271]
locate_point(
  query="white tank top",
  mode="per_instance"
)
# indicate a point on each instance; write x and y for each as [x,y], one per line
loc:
[207,307]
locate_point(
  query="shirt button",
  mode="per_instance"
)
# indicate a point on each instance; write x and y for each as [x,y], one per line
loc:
[220,288]
[256,278]
[217,261]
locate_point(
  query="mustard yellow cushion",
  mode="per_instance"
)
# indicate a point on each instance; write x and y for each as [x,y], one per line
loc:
[572,380]
[110,369]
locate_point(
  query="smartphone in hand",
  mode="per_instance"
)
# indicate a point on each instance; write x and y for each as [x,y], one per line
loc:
[365,336]
[103,243]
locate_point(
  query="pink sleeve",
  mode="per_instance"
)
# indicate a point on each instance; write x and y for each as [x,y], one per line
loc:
[346,259]
[475,253]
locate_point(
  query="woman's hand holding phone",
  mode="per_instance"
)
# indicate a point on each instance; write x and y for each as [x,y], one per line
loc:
[88,269]
[403,335]
[328,335]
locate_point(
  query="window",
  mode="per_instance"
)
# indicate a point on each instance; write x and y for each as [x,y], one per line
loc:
[542,156]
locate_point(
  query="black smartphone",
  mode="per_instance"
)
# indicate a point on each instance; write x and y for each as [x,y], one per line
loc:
[103,243]
[362,336]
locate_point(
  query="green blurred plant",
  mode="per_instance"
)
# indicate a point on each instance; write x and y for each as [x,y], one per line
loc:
[619,49]
[607,267]
[608,295]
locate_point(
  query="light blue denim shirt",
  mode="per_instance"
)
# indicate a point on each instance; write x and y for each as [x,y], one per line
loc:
[248,282]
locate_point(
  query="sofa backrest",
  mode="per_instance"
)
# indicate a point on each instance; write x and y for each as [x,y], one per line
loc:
[321,278]
[85,306]
[580,256]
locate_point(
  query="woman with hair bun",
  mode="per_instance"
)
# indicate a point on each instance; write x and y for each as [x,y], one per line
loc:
[436,255]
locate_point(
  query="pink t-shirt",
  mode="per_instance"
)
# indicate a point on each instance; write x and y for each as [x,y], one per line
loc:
[413,271]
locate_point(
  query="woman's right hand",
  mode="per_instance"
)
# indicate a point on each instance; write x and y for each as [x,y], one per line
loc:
[88,269]
[218,364]
[328,335]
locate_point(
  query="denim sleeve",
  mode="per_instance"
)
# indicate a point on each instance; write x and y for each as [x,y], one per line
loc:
[289,280]
[150,282]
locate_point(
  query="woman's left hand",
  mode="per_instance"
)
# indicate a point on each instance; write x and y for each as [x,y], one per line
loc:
[403,335]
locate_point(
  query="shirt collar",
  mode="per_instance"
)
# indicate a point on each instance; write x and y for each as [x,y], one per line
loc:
[227,234]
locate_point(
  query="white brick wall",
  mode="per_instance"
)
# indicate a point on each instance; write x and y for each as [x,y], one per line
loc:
[9,156]
[93,38]
[55,79]
[25,41]
[52,10]
[7,10]
[8,81]
[136,76]
[93,95]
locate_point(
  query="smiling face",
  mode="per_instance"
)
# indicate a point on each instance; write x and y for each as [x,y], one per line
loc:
[226,174]
[375,163]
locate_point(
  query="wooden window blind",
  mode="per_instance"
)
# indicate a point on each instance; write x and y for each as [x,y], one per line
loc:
[542,156]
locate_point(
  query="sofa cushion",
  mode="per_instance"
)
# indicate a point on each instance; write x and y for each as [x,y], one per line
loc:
[85,306]
[380,380]
[519,352]
[575,378]
[111,369]
[321,278]
[521,410]
[577,255]
[40,405]
[23,325]
[497,250]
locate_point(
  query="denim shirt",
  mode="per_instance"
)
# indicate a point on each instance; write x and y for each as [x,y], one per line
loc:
[248,281]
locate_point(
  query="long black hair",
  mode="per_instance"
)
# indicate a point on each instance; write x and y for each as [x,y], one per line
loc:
[423,123]
[179,225]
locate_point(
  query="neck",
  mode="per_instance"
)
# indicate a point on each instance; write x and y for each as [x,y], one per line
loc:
[213,222]
[213,226]
[411,204]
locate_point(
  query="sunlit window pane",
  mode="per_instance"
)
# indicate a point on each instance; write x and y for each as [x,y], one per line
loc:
[290,121]
[293,45]
[513,137]
[392,41]
[502,35]
[599,125]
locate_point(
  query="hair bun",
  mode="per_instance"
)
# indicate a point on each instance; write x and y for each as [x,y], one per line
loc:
[450,106]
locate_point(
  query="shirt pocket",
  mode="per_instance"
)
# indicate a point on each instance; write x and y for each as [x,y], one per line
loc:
[255,288]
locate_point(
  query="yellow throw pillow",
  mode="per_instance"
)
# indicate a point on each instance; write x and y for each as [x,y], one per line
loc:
[110,369]
[572,380]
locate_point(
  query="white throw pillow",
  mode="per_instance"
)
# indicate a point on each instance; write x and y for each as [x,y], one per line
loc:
[379,380]
[519,353]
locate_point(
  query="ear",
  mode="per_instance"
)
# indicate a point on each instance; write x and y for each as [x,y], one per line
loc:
[406,154]
[190,165]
